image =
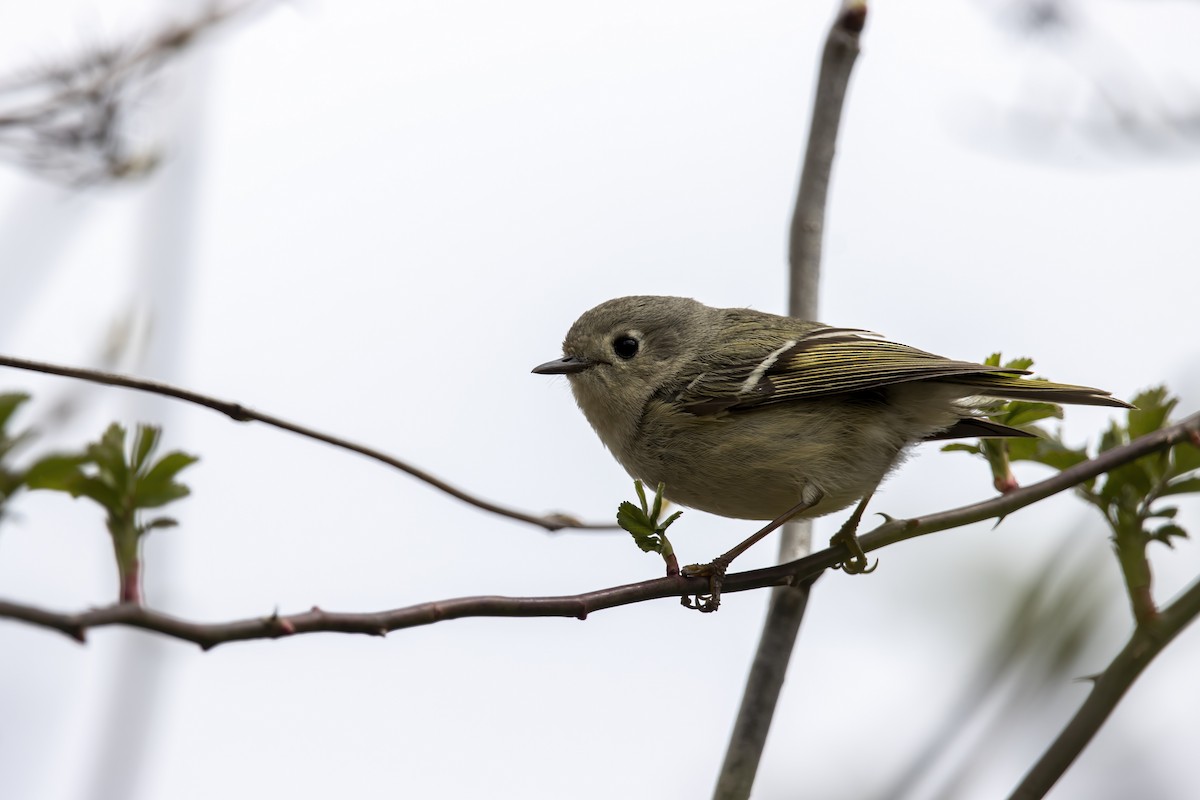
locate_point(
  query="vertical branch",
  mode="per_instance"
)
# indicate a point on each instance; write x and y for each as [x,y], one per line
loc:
[763,686]
[804,257]
[808,218]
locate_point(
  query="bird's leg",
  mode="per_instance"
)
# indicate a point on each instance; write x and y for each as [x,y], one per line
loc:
[715,569]
[856,564]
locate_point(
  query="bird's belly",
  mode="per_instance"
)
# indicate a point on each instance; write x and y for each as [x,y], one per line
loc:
[748,466]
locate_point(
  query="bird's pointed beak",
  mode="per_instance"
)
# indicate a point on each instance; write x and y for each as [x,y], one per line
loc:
[567,365]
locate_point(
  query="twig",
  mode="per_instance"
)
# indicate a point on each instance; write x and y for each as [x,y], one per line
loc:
[800,571]
[239,413]
[1147,641]
[808,217]
[786,610]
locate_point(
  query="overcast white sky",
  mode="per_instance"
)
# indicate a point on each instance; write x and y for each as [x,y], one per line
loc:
[378,216]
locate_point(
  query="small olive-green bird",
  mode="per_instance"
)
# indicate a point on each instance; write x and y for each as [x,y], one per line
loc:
[757,416]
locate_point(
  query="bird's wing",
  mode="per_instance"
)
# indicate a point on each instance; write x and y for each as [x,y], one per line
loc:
[828,361]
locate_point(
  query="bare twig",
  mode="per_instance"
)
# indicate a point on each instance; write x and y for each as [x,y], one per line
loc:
[802,570]
[808,218]
[239,413]
[788,603]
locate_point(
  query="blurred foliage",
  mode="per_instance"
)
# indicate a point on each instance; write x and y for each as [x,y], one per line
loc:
[122,483]
[1050,618]
[1060,612]
[11,479]
[75,121]
[1024,415]
[1130,496]
[1096,73]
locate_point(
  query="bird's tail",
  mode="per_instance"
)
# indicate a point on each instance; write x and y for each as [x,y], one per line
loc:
[1015,387]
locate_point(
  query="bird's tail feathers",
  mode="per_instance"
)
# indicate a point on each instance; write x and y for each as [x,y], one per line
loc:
[1011,387]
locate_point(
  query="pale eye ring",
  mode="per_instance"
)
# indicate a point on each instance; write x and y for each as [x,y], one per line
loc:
[625,346]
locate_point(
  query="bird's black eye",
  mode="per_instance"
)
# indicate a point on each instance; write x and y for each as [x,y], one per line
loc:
[625,346]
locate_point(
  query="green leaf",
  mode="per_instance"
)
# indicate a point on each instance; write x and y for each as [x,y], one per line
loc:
[109,456]
[159,495]
[1023,449]
[641,493]
[55,472]
[98,490]
[1055,455]
[642,523]
[158,523]
[1167,512]
[1022,362]
[9,403]
[1022,413]
[959,447]
[633,519]
[667,523]
[1185,486]
[1186,456]
[656,509]
[145,439]
[1114,436]
[1153,408]
[1134,478]
[159,477]
[649,544]
[1168,532]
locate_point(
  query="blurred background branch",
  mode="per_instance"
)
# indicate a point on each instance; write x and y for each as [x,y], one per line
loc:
[70,121]
[1081,79]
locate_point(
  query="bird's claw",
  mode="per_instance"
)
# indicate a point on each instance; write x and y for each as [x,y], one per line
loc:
[857,563]
[715,572]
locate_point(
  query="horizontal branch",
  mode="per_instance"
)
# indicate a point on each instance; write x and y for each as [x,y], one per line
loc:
[240,413]
[379,623]
[1186,430]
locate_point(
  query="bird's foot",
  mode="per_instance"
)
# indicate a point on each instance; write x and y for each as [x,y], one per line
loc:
[857,563]
[715,572]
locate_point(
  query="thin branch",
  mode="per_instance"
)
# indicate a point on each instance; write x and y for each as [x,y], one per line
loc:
[1146,642]
[239,413]
[786,611]
[808,217]
[1186,430]
[800,571]
[763,686]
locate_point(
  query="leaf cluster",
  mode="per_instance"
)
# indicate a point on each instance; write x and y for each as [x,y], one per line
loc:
[123,484]
[1024,415]
[1130,495]
[642,521]
[12,480]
